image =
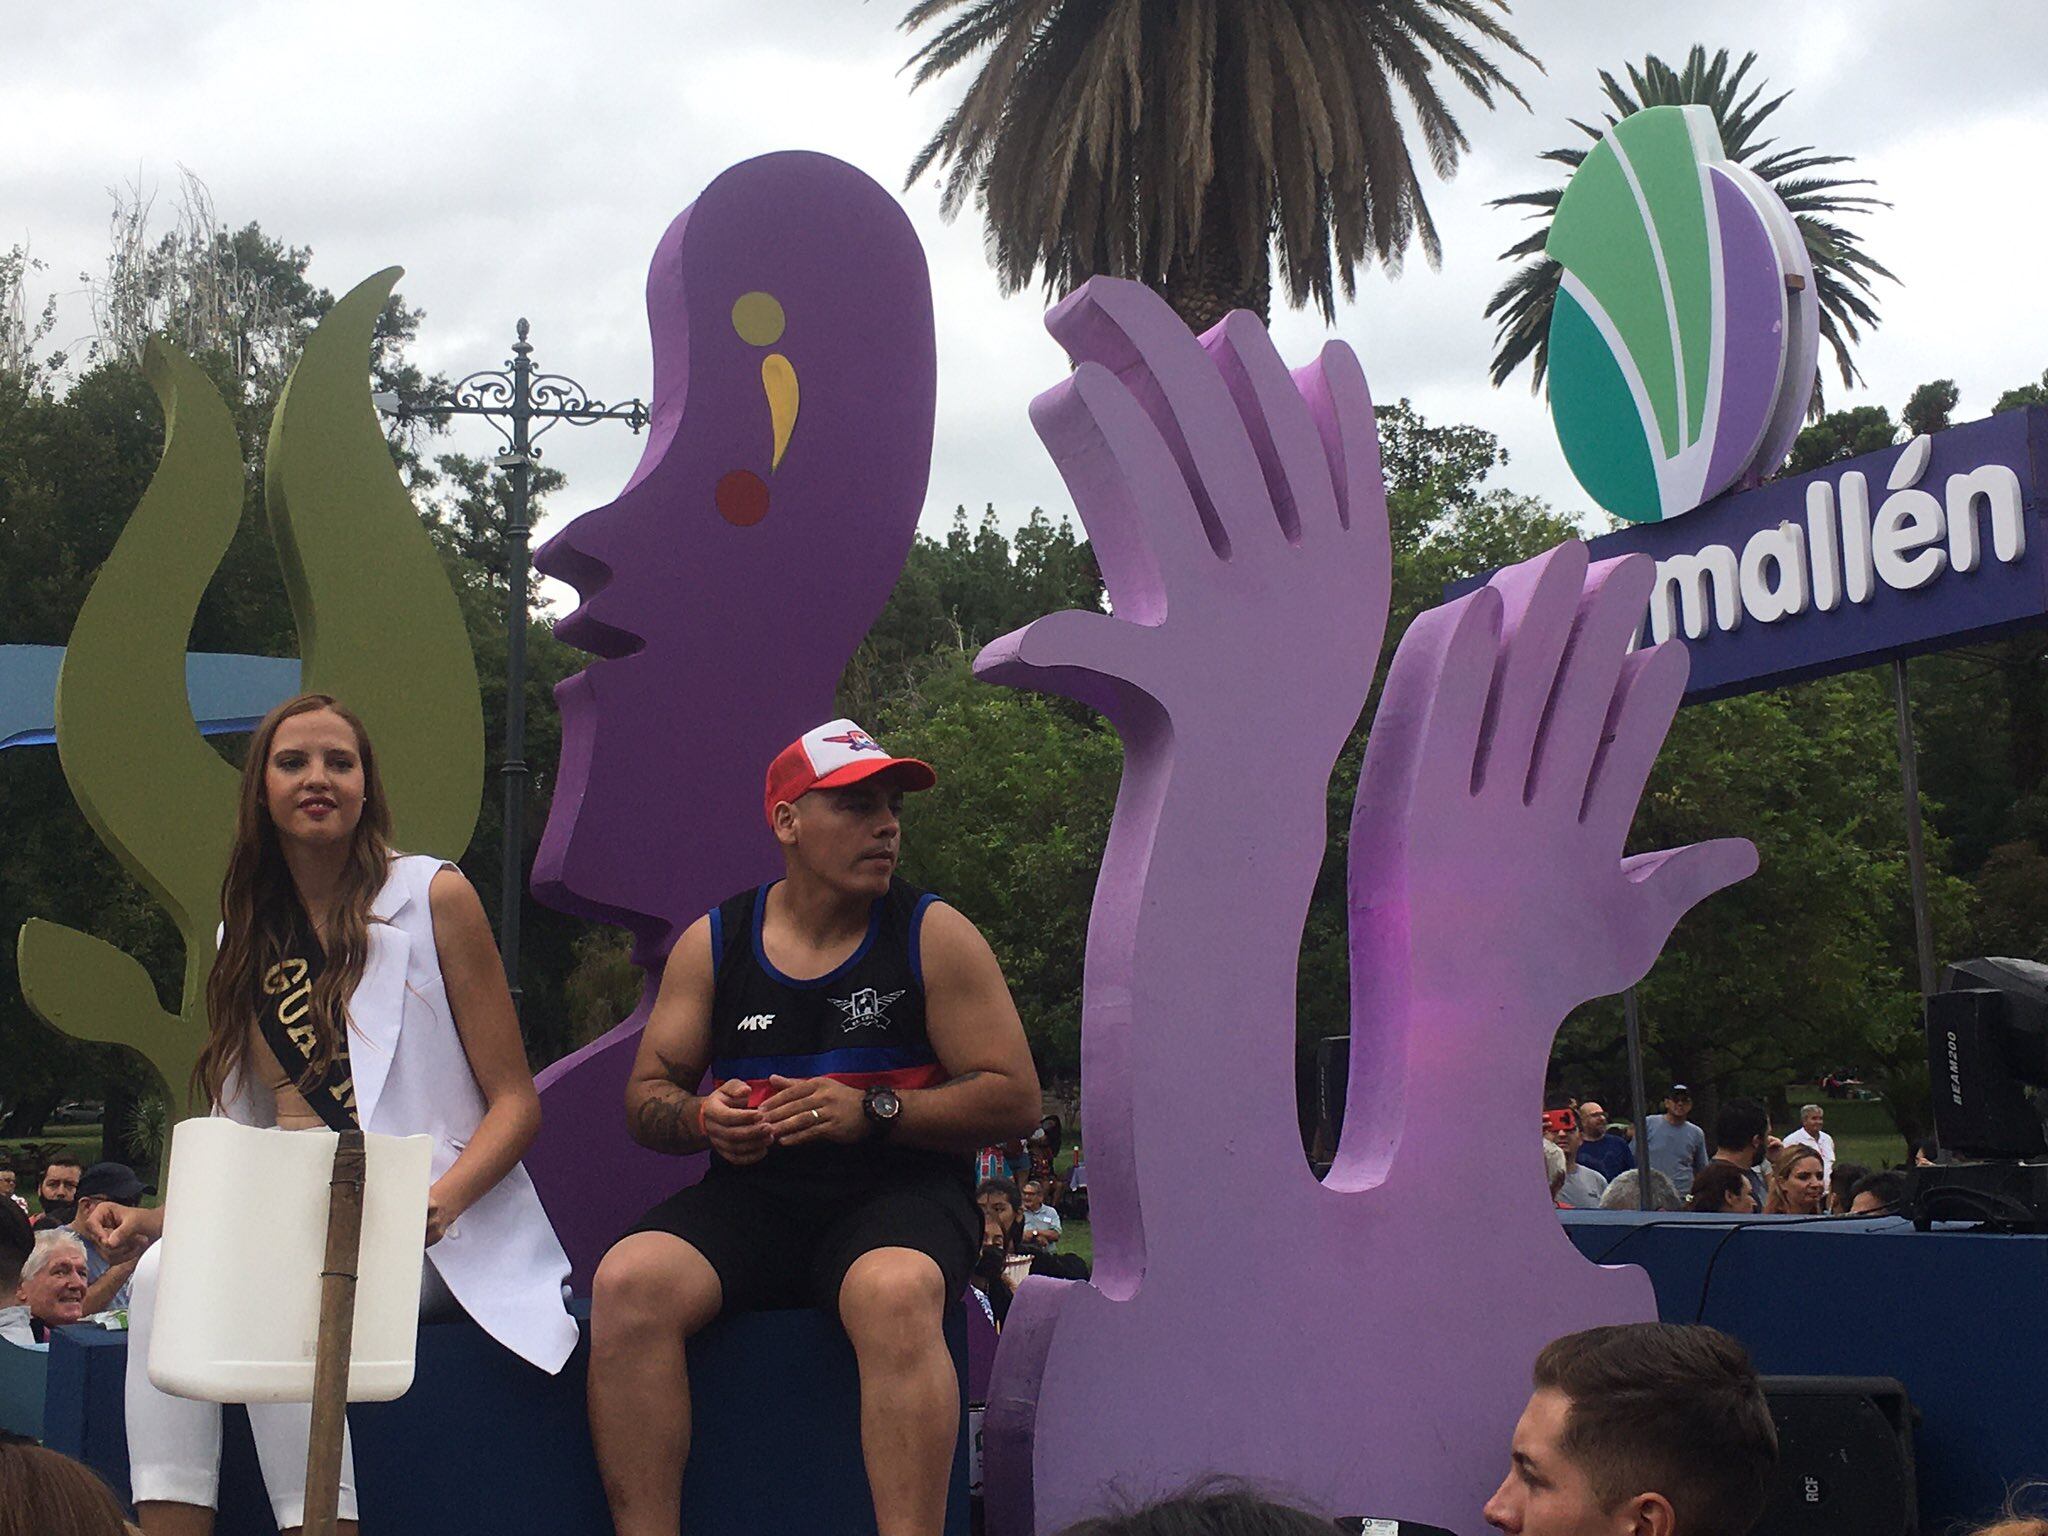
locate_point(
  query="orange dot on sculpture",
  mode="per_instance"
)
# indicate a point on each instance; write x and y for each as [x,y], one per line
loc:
[742,498]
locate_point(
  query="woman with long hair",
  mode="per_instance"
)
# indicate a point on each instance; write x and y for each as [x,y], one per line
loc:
[335,952]
[1798,1182]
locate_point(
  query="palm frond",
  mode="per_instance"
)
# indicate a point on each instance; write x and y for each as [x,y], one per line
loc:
[1204,137]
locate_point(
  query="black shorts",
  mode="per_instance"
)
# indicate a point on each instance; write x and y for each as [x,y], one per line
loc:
[782,1242]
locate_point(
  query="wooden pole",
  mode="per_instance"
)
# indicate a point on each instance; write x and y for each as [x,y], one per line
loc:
[337,1331]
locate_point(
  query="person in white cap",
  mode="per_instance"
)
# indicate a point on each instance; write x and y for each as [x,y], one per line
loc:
[863,1044]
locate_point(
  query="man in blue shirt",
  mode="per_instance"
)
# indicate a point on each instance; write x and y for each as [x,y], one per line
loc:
[1605,1152]
[1675,1146]
[107,1281]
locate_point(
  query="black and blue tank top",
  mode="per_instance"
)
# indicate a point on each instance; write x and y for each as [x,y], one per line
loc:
[863,1022]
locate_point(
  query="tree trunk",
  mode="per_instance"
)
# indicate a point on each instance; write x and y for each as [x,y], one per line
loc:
[1207,283]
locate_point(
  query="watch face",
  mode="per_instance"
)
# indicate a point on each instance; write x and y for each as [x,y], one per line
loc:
[887,1105]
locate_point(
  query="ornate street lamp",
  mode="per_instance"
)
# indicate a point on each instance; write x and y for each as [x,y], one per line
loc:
[521,405]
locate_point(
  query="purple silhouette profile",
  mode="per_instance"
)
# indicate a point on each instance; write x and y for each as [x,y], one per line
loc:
[722,594]
[1344,1341]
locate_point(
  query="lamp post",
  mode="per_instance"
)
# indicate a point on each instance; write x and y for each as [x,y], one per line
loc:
[520,405]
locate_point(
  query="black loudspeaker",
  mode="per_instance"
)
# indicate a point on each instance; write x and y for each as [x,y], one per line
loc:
[1987,1042]
[2004,1196]
[1845,1458]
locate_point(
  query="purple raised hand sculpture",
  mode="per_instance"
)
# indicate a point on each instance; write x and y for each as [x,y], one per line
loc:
[1349,1342]
[723,591]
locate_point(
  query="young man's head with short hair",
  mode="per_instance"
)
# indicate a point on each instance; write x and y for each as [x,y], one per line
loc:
[1740,1127]
[832,798]
[1641,1429]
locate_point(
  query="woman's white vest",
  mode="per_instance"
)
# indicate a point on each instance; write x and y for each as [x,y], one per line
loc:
[501,1258]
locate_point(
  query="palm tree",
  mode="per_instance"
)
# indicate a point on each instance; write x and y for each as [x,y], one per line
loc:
[1175,141]
[1843,272]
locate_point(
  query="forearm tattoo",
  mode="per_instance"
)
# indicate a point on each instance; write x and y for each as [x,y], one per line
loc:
[666,1121]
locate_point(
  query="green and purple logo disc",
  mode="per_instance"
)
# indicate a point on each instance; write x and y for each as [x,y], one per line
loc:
[1685,335]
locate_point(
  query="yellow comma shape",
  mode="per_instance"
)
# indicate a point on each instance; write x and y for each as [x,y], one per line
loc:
[778,378]
[758,318]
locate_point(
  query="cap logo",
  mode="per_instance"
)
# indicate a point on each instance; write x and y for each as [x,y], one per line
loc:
[854,741]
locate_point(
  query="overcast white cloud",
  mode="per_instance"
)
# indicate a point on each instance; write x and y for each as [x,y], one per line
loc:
[522,158]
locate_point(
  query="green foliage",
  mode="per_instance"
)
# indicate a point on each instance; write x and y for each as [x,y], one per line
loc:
[1929,407]
[1013,834]
[957,595]
[2025,394]
[1808,963]
[1841,435]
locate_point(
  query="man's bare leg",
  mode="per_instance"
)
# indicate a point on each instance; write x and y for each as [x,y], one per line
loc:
[893,1305]
[651,1293]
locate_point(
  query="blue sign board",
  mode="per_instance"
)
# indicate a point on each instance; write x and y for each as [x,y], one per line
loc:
[1935,544]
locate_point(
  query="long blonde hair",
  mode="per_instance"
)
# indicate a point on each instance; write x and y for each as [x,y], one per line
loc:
[257,899]
[1782,1164]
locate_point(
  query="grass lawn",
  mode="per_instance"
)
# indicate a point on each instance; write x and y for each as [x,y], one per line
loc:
[1077,1239]
[84,1140]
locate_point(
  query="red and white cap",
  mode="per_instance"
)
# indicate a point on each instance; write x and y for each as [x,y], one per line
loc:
[835,754]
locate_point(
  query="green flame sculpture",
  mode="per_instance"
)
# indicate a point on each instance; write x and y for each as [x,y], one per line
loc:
[378,626]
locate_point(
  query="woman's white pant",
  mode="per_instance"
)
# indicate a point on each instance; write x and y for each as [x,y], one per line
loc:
[174,1442]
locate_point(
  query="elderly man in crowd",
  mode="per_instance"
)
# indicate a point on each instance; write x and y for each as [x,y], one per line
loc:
[1810,1134]
[1604,1151]
[51,1292]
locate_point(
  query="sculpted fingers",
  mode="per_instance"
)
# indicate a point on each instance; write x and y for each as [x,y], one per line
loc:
[1132,498]
[1539,599]
[1616,594]
[1339,403]
[1645,700]
[1133,332]
[1427,728]
[1277,423]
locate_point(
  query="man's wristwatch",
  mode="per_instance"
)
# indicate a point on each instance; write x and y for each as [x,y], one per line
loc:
[881,1106]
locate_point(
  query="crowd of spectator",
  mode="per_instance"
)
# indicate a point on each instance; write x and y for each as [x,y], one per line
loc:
[1591,1163]
[68,1193]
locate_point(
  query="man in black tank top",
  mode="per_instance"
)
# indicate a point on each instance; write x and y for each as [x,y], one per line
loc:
[863,1044]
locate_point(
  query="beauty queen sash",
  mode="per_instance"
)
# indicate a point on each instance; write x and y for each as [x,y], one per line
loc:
[284,1013]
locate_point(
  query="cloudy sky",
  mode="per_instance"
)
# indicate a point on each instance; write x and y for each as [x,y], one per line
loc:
[522,158]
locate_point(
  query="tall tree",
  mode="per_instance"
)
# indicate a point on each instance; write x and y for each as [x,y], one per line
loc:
[1844,273]
[1177,144]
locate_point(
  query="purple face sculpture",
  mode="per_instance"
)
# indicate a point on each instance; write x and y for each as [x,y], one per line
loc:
[723,592]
